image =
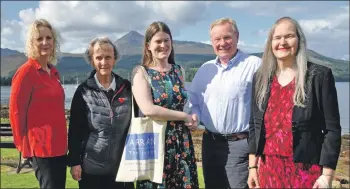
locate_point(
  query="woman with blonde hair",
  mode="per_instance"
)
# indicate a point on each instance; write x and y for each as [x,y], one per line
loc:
[37,114]
[158,88]
[294,138]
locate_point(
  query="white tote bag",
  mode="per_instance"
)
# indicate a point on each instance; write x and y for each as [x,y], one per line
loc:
[143,154]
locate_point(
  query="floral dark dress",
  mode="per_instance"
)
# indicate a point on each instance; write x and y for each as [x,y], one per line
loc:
[276,167]
[180,169]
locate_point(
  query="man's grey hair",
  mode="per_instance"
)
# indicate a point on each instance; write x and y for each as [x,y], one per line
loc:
[224,21]
[100,41]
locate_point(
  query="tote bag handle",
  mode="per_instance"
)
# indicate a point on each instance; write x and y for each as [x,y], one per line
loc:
[134,106]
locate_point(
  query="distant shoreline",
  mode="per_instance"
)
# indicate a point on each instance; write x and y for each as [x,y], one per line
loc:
[5,115]
[337,81]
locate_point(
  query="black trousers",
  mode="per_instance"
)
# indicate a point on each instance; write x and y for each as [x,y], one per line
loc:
[50,171]
[225,163]
[89,181]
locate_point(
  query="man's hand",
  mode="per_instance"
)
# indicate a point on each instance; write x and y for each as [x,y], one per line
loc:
[75,171]
[192,124]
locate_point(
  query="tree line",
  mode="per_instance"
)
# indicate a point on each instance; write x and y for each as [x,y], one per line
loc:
[6,81]
[190,72]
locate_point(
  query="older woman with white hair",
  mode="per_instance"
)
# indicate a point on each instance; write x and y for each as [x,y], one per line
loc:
[99,121]
[295,132]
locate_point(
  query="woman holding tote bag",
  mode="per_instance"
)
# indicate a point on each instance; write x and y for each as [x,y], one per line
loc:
[163,98]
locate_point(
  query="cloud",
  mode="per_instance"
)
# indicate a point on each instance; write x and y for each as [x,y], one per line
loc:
[262,32]
[310,26]
[327,35]
[250,48]
[330,34]
[78,50]
[239,4]
[6,31]
[11,35]
[5,43]
[79,22]
[266,8]
[282,8]
[206,42]
[186,12]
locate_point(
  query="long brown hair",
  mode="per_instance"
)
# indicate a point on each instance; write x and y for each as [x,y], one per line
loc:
[147,59]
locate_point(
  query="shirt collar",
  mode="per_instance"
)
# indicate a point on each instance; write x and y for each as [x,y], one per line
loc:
[112,86]
[231,62]
[38,66]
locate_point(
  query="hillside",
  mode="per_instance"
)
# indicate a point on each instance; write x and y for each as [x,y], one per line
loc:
[189,54]
[7,52]
[131,44]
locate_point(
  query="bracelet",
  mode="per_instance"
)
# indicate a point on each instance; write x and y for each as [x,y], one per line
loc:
[253,167]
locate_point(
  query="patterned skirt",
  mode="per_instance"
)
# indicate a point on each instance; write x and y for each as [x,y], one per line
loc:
[180,169]
[282,172]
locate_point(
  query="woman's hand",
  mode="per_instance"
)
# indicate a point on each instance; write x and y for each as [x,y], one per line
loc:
[253,181]
[323,182]
[75,171]
[191,121]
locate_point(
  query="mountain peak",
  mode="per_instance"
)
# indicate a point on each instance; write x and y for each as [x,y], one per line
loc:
[133,38]
[134,33]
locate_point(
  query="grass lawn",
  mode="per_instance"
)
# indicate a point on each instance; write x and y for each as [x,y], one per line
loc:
[9,179]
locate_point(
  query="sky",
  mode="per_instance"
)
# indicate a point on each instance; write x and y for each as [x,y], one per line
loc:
[325,24]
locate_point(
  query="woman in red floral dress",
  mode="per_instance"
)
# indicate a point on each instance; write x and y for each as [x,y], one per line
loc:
[294,127]
[277,169]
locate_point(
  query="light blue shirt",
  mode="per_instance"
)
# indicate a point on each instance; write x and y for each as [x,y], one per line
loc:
[220,95]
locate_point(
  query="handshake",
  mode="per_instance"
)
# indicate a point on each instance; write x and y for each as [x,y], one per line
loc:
[191,121]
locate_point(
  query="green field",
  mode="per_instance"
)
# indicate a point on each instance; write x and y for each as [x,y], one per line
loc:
[9,178]
[9,159]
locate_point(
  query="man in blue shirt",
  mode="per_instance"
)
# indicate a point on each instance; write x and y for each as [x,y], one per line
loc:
[220,95]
